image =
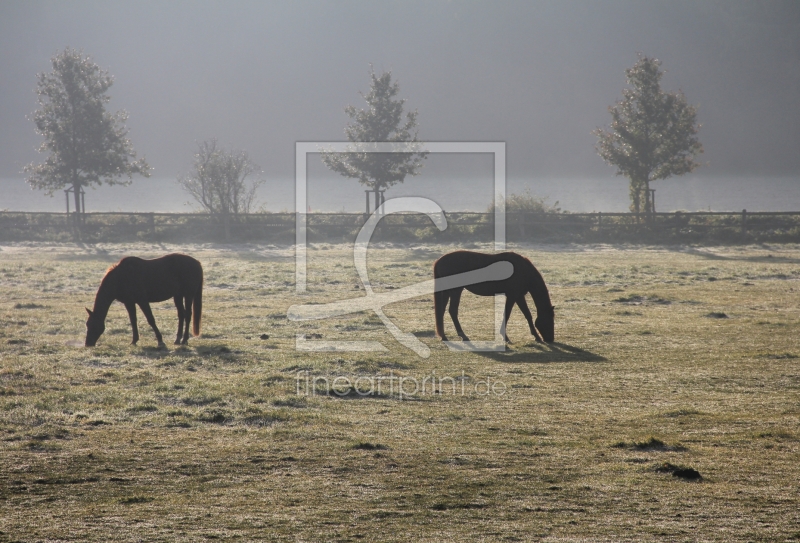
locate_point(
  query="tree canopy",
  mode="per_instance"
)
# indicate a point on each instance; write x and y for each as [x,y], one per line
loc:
[653,133]
[87,145]
[381,121]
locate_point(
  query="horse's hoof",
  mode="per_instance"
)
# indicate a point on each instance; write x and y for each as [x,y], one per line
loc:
[177,342]
[162,345]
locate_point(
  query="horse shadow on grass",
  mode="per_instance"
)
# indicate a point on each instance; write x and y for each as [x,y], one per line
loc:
[543,353]
[765,259]
[219,351]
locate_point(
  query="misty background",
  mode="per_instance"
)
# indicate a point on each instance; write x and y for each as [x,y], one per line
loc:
[260,76]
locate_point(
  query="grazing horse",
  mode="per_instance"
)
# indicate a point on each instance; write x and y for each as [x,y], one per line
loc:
[525,278]
[134,281]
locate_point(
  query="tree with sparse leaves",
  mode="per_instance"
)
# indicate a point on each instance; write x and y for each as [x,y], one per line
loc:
[653,133]
[381,121]
[87,144]
[219,182]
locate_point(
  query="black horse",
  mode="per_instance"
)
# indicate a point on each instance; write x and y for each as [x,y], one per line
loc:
[134,281]
[525,278]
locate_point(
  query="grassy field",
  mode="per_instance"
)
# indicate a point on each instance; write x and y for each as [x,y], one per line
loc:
[669,364]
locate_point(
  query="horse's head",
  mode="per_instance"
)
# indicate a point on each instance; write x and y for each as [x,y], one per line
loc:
[545,323]
[95,327]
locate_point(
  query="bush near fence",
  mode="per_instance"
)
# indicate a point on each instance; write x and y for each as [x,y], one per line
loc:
[561,227]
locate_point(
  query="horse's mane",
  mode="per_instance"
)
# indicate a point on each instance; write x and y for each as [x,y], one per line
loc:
[110,269]
[106,290]
[537,279]
[527,261]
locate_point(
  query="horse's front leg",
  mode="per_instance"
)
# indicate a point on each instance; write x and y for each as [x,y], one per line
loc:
[523,306]
[441,298]
[131,307]
[152,322]
[455,300]
[506,314]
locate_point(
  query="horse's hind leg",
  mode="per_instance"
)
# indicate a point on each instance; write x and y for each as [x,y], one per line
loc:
[187,318]
[152,322]
[523,306]
[182,314]
[455,300]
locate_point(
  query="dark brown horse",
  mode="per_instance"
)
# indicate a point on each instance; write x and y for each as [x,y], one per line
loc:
[525,278]
[134,281]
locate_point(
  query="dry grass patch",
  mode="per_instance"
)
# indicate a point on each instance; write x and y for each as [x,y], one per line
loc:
[648,419]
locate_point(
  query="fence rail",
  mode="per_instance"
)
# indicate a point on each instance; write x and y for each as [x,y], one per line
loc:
[677,227]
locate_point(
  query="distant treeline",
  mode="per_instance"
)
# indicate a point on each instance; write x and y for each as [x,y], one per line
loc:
[550,227]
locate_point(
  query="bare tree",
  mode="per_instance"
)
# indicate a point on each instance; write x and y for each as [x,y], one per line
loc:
[219,183]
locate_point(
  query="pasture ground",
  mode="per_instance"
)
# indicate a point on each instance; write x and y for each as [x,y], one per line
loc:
[666,358]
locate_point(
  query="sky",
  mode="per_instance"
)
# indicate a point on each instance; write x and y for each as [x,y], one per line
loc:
[539,76]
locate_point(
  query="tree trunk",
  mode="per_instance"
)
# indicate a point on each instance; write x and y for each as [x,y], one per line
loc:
[76,189]
[77,216]
[226,223]
[636,198]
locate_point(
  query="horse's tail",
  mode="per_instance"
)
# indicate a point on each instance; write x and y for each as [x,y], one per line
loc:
[197,308]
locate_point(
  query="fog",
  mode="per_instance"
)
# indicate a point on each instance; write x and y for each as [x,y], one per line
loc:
[539,76]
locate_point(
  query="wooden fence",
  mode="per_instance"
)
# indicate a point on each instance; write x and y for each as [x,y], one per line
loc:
[678,227]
